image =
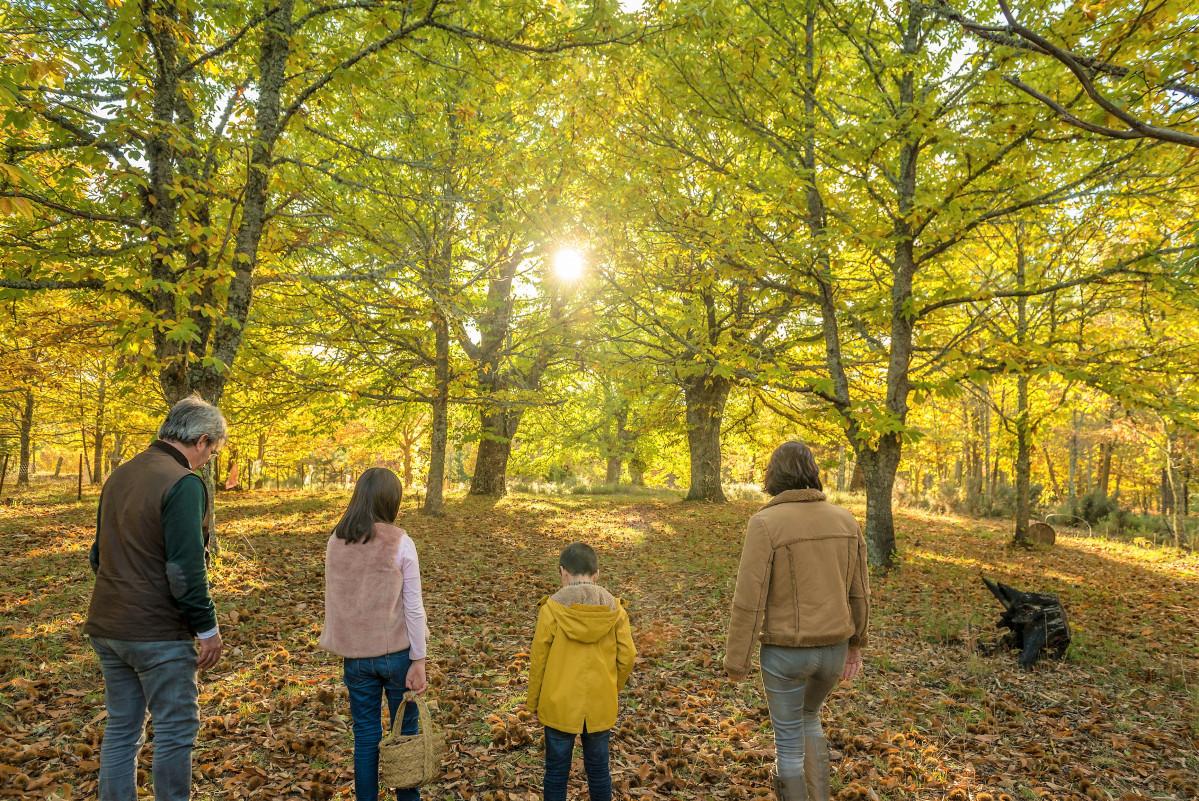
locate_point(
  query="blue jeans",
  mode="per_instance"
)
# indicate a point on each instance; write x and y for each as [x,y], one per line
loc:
[797,680]
[367,679]
[559,748]
[160,677]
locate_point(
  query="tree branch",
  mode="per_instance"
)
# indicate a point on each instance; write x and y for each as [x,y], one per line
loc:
[1117,268]
[92,283]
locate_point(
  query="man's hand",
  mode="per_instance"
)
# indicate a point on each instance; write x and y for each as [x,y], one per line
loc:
[210,651]
[734,677]
[415,680]
[853,664]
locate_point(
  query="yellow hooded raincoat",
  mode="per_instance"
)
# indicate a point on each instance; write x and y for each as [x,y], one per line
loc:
[582,655]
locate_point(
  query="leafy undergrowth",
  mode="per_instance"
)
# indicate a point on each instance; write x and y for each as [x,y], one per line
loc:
[933,717]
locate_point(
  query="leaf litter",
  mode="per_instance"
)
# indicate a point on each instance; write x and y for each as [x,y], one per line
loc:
[939,713]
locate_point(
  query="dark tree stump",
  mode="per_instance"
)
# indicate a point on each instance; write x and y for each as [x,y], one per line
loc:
[1041,534]
[1036,621]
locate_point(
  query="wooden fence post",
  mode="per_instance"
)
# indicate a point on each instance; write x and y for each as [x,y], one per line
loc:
[80,496]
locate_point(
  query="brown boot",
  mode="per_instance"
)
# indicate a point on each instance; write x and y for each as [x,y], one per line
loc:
[789,788]
[816,768]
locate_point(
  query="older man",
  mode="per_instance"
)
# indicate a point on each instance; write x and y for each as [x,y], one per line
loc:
[151,602]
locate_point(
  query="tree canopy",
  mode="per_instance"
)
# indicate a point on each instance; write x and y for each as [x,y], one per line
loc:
[535,241]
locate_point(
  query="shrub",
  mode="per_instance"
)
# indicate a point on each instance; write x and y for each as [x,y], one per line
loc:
[1004,502]
[1095,506]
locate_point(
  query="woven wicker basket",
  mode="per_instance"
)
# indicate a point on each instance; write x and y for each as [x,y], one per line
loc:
[411,760]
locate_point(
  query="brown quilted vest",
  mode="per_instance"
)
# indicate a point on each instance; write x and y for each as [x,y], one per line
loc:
[131,599]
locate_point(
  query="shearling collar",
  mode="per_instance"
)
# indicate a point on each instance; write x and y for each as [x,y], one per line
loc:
[796,496]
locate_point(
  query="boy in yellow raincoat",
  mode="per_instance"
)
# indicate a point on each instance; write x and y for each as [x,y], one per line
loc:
[582,655]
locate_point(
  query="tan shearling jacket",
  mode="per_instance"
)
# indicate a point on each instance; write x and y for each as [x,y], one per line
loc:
[802,581]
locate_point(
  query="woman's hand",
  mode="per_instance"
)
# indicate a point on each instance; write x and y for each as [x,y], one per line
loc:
[415,680]
[853,663]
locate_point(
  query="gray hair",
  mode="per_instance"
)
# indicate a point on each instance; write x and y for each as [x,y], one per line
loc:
[192,418]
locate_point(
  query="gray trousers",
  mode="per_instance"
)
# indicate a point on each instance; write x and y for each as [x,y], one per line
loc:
[159,677]
[797,680]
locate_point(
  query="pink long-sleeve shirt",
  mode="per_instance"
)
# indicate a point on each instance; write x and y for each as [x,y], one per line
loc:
[414,605]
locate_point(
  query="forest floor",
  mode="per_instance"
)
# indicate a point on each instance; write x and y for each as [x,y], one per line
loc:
[934,716]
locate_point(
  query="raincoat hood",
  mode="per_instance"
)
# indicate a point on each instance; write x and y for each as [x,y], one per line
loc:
[584,623]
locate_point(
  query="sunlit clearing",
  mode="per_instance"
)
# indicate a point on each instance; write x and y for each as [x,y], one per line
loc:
[568,264]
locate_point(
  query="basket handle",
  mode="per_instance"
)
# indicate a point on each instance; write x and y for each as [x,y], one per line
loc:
[426,721]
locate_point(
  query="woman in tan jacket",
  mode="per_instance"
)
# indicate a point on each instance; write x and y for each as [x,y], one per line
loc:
[803,591]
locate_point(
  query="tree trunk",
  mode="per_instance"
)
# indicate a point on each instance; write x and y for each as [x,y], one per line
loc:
[86,460]
[883,461]
[613,471]
[1186,498]
[878,468]
[705,396]
[406,462]
[1023,462]
[1057,490]
[440,424]
[98,434]
[1167,492]
[501,420]
[841,467]
[636,472]
[118,449]
[618,447]
[880,463]
[857,479]
[261,482]
[1105,467]
[1074,463]
[1023,433]
[58,467]
[1174,457]
[988,468]
[495,446]
[25,469]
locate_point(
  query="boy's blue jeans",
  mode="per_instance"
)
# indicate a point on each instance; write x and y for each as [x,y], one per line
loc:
[160,677]
[559,749]
[367,679]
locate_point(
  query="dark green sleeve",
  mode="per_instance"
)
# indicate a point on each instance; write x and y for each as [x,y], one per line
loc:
[182,513]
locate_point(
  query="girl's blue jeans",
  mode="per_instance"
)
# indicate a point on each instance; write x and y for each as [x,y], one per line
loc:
[559,748]
[367,679]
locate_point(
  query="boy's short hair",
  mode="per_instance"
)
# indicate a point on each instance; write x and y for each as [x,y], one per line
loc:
[579,559]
